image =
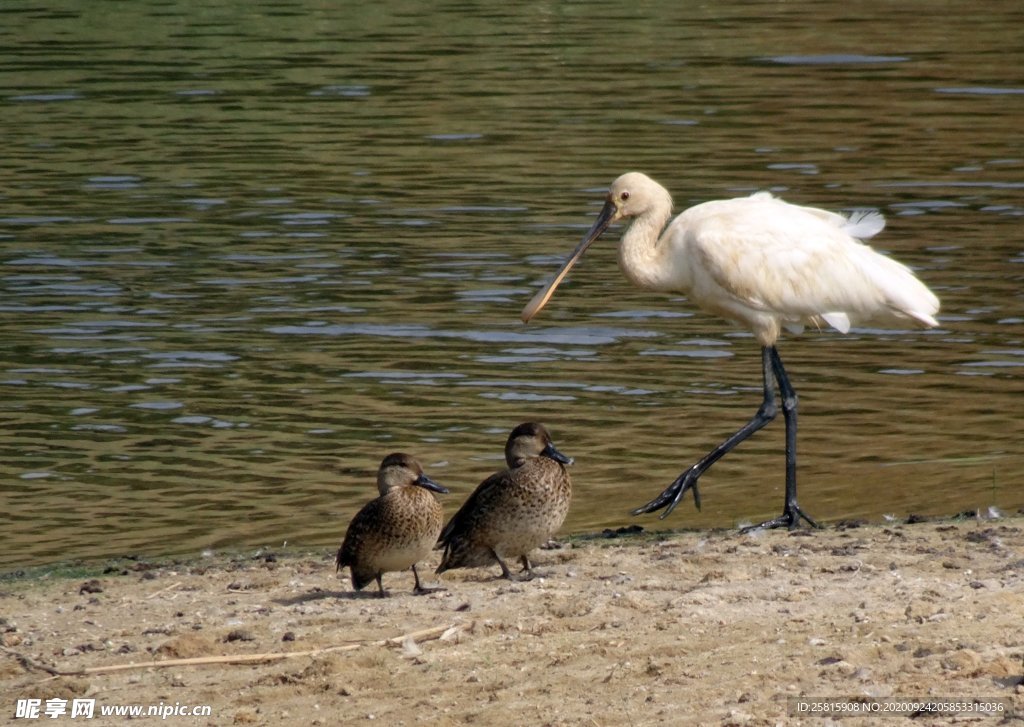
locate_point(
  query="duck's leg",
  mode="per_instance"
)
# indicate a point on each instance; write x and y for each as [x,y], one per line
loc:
[419,590]
[505,572]
[791,512]
[768,410]
[381,593]
[526,574]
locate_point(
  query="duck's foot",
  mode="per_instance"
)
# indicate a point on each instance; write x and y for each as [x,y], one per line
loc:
[526,574]
[419,589]
[519,577]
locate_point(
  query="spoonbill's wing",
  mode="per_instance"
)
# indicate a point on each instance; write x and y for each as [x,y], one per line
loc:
[798,264]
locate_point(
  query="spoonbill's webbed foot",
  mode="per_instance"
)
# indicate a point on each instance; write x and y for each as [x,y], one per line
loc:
[790,519]
[673,494]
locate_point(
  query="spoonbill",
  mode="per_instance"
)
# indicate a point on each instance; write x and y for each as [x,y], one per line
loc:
[767,265]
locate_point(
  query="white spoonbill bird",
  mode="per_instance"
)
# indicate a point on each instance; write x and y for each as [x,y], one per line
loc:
[767,265]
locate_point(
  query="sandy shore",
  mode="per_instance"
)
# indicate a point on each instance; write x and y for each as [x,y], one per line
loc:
[684,628]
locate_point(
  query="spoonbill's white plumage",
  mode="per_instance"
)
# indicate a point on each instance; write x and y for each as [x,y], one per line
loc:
[766,264]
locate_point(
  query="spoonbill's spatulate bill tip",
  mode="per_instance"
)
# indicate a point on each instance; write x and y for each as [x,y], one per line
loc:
[537,302]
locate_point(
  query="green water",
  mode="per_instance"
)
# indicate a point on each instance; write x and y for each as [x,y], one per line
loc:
[249,249]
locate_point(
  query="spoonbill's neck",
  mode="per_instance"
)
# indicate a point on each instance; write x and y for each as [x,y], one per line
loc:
[640,255]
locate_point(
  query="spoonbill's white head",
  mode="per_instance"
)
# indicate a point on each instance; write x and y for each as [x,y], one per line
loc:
[631,195]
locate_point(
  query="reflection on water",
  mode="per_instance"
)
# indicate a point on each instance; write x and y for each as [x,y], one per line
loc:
[247,254]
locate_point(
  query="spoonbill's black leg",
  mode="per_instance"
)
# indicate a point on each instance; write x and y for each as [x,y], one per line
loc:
[791,512]
[773,371]
[688,479]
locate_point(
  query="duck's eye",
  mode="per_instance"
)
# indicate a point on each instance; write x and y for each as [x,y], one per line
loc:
[624,196]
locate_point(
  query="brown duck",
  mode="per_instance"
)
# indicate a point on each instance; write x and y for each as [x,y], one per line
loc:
[513,511]
[396,530]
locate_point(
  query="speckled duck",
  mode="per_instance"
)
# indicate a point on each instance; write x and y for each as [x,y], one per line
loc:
[512,511]
[396,530]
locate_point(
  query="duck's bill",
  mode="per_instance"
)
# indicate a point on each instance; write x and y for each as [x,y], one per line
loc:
[428,484]
[604,219]
[550,451]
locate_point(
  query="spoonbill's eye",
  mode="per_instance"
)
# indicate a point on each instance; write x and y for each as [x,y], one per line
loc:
[624,196]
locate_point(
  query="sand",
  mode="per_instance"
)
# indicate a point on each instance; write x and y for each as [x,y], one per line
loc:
[639,629]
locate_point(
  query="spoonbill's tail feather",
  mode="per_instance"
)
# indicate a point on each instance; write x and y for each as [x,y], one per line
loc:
[908,297]
[924,319]
[864,224]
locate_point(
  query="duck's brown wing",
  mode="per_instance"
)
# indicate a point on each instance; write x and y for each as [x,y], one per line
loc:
[466,514]
[358,528]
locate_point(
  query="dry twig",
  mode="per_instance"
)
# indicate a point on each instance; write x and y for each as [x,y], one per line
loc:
[154,594]
[423,635]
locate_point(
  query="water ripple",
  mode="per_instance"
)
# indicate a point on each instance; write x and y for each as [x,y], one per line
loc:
[834,59]
[577,336]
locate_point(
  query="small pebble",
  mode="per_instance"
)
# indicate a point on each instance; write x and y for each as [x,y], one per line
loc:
[239,635]
[91,586]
